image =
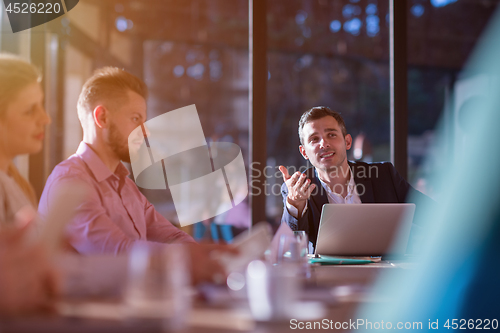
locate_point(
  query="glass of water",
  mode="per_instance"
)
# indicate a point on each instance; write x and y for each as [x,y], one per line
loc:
[158,283]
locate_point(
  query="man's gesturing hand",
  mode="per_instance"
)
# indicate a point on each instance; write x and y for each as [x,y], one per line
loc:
[299,188]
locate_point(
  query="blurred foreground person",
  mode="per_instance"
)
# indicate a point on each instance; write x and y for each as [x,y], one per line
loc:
[22,128]
[27,281]
[455,285]
[116,215]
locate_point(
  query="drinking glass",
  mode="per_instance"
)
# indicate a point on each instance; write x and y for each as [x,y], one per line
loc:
[303,240]
[272,290]
[294,249]
[158,283]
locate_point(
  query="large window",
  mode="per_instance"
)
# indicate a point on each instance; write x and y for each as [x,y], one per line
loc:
[442,35]
[332,53]
[319,52]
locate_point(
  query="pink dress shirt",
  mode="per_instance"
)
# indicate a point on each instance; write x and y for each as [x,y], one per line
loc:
[115,215]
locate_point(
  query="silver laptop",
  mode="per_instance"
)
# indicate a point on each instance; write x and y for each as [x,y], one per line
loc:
[364,229]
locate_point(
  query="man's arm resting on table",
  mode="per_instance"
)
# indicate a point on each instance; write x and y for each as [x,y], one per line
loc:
[159,229]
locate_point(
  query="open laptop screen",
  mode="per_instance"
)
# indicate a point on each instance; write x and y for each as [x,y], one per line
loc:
[364,229]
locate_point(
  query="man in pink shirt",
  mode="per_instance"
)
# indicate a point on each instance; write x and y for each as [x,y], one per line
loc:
[116,215]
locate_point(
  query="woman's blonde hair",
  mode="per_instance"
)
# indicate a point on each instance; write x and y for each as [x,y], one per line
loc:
[15,75]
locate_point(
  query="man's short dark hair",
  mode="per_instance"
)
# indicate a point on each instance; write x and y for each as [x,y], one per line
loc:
[319,112]
[108,84]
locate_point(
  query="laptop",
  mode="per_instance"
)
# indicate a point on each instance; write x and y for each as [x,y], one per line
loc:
[364,229]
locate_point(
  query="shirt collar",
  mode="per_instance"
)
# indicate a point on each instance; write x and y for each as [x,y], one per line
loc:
[350,187]
[97,166]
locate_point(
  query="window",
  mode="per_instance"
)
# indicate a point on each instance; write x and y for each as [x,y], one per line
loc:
[332,53]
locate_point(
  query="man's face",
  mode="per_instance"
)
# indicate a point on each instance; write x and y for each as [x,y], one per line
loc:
[324,145]
[123,120]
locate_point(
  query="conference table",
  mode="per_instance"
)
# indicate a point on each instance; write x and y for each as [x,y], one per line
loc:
[341,289]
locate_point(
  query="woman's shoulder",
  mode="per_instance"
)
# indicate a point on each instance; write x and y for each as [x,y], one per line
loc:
[9,186]
[12,198]
[6,182]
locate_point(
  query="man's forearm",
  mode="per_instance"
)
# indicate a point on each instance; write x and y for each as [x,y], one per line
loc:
[300,205]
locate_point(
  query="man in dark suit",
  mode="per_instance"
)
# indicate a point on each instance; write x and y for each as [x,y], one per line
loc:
[334,179]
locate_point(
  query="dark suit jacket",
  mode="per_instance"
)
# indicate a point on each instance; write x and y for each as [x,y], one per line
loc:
[375,182]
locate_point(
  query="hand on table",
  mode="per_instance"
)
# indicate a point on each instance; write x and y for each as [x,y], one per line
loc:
[299,188]
[204,265]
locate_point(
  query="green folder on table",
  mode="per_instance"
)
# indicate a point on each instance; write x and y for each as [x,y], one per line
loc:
[328,260]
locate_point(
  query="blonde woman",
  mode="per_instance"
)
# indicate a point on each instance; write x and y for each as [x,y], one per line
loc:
[22,126]
[26,279]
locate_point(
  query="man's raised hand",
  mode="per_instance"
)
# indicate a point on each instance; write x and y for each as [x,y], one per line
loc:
[299,188]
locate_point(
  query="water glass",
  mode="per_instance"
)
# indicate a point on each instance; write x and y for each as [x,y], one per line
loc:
[303,240]
[272,290]
[158,283]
